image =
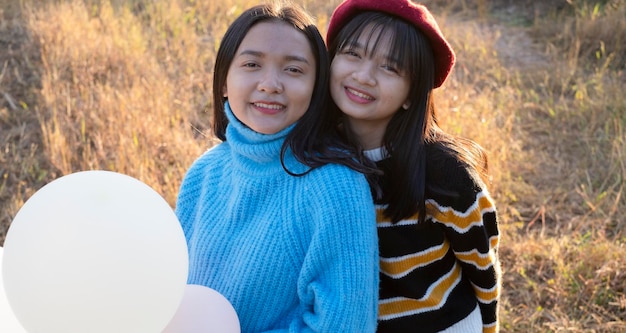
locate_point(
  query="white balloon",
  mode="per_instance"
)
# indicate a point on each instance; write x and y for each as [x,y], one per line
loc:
[204,310]
[9,323]
[95,251]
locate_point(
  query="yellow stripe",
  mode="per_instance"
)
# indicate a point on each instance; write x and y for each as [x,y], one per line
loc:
[490,329]
[401,267]
[487,296]
[450,216]
[429,301]
[380,215]
[485,202]
[461,220]
[475,258]
[494,241]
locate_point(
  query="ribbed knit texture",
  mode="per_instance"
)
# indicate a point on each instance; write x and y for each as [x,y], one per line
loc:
[292,254]
[435,272]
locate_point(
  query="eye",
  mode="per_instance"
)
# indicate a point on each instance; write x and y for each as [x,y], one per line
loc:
[350,52]
[294,70]
[250,64]
[391,68]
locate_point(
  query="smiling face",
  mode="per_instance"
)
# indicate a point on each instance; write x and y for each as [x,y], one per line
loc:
[271,78]
[368,85]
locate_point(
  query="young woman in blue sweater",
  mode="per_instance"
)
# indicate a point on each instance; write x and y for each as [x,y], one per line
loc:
[277,217]
[437,222]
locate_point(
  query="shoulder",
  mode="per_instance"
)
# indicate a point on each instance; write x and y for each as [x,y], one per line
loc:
[445,167]
[210,162]
[338,201]
[210,158]
[202,175]
[336,185]
[450,180]
[213,153]
[338,176]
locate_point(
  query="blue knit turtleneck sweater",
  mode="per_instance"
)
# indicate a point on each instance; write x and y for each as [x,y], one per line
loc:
[292,254]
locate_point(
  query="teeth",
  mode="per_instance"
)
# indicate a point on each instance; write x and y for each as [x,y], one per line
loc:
[359,94]
[269,106]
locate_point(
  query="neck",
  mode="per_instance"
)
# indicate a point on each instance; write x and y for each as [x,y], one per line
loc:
[369,134]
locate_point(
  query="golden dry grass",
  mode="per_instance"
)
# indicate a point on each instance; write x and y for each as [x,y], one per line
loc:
[125,86]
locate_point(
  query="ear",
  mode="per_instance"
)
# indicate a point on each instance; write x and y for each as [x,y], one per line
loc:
[224,91]
[406,105]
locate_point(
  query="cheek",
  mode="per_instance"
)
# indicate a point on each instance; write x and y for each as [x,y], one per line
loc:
[338,69]
[335,80]
[304,99]
[399,92]
[304,89]
[236,83]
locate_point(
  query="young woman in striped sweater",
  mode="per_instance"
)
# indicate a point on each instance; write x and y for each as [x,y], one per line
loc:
[437,223]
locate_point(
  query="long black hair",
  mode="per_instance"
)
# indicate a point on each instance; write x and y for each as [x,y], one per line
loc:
[411,132]
[314,139]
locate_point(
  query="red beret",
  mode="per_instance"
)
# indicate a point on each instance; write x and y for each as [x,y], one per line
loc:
[413,13]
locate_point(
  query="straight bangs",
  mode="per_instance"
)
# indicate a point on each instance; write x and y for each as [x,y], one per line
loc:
[407,49]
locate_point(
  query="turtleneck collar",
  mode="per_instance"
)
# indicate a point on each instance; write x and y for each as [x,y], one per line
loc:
[256,152]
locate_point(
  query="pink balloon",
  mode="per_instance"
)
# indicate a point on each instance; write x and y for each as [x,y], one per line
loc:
[203,310]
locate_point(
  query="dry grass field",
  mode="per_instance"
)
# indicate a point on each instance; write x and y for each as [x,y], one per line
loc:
[125,86]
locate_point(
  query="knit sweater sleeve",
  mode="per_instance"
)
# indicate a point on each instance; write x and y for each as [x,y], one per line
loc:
[338,285]
[470,223]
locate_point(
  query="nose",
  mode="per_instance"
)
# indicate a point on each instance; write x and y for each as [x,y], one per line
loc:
[270,82]
[364,73]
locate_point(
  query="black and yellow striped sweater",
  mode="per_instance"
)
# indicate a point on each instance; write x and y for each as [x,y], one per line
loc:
[433,273]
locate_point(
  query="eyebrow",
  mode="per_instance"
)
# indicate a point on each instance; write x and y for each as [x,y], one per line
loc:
[261,54]
[358,46]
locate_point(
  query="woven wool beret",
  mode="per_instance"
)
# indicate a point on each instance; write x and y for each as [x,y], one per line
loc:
[415,14]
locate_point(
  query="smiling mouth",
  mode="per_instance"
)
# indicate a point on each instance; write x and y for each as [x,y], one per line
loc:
[358,96]
[268,108]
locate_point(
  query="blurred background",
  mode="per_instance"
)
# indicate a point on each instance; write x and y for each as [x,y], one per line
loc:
[126,86]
